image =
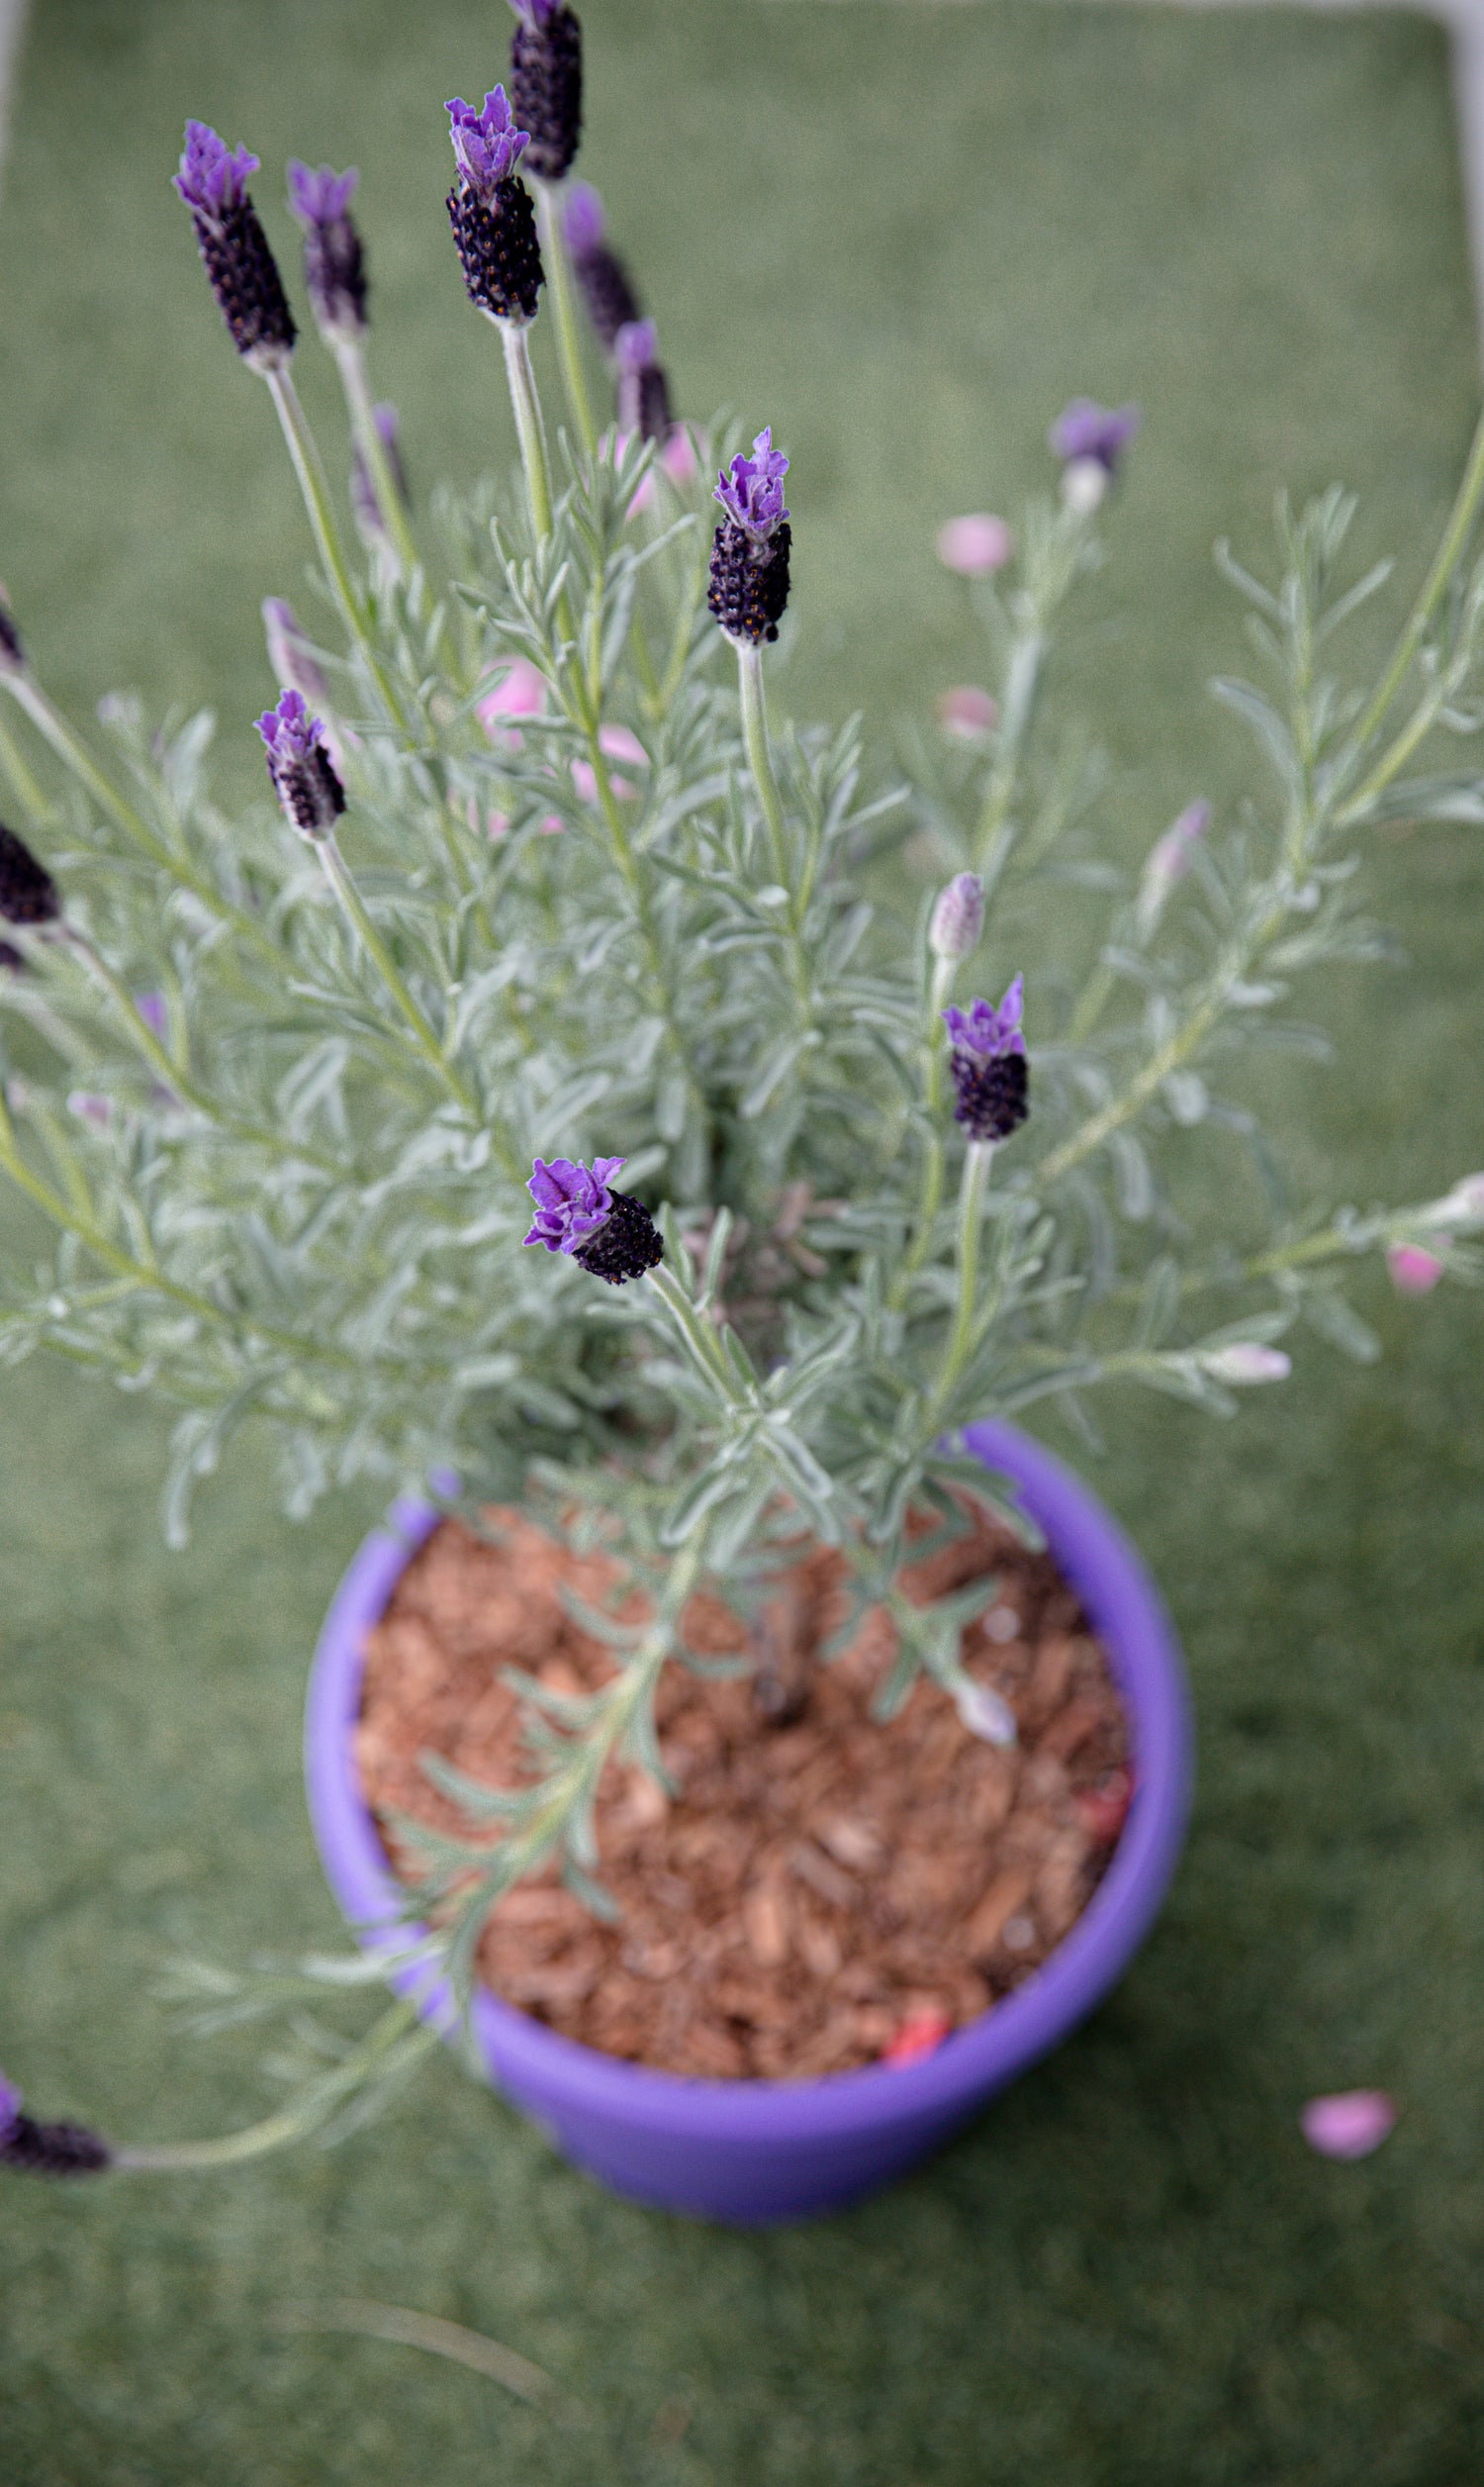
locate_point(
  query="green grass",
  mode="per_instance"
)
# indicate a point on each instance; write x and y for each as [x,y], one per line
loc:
[904,234]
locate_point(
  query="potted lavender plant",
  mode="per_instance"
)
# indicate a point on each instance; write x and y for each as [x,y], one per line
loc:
[757,1751]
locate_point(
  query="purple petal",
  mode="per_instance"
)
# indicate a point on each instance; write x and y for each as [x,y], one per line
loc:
[583,220]
[213,177]
[320,197]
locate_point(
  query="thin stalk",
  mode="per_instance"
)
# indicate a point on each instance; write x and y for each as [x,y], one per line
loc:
[28,788]
[930,1198]
[760,755]
[699,1334]
[971,1220]
[1445,560]
[341,880]
[310,469]
[559,283]
[74,755]
[289,2124]
[527,405]
[357,384]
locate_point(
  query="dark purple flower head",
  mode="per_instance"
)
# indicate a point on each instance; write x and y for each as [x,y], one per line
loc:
[28,894]
[582,220]
[334,263]
[1083,430]
[636,345]
[304,777]
[46,2150]
[10,2105]
[751,494]
[12,653]
[233,247]
[369,515]
[988,1065]
[546,84]
[985,1031]
[607,1233]
[213,177]
[487,144]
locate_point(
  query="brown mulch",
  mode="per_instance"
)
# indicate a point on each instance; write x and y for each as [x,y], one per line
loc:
[818,1896]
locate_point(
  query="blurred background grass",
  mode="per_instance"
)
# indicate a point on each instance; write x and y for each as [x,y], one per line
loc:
[904,234]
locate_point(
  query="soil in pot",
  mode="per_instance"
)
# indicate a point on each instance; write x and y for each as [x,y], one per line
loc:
[824,1891]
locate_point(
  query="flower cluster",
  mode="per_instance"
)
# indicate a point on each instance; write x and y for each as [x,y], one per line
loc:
[244,273]
[300,766]
[493,223]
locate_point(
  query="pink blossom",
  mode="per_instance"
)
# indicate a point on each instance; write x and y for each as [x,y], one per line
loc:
[1414,1271]
[620,744]
[519,690]
[969,711]
[1348,2124]
[977,546]
[678,458]
[585,783]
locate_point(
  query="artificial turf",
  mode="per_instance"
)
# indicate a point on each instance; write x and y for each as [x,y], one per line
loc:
[903,232]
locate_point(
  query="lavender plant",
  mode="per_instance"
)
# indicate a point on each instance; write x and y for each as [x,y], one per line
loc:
[542,898]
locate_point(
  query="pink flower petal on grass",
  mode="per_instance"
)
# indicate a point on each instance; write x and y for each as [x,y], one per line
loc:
[969,710]
[977,546]
[1414,1271]
[1348,2124]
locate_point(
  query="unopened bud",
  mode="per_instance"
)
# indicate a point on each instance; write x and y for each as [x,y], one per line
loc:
[1245,1361]
[959,917]
[1168,862]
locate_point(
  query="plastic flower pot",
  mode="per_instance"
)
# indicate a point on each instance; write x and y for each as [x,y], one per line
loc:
[752,2152]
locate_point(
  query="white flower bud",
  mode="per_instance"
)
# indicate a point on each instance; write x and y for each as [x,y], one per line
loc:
[958,917]
[1245,1361]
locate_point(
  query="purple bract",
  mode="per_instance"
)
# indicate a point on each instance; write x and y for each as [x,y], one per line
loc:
[487,144]
[289,731]
[636,345]
[572,1202]
[536,13]
[1085,429]
[10,2105]
[985,1031]
[213,177]
[751,494]
[323,197]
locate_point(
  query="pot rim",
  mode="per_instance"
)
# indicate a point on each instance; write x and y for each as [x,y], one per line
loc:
[1130,1616]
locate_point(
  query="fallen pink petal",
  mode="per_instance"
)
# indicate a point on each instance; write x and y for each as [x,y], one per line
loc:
[1348,2124]
[1414,1270]
[976,546]
[969,711]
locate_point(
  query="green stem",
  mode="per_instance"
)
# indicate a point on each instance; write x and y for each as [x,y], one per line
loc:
[291,2124]
[1445,560]
[310,469]
[357,384]
[930,1199]
[28,786]
[75,756]
[338,874]
[701,1336]
[960,1336]
[760,755]
[526,404]
[558,269]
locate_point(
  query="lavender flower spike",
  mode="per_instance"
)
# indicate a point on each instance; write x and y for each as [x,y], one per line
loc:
[304,777]
[607,287]
[1168,862]
[493,223]
[244,274]
[28,894]
[957,918]
[12,652]
[749,586]
[643,389]
[290,655]
[546,83]
[46,2150]
[1089,440]
[334,272]
[988,1065]
[607,1233]
[370,517]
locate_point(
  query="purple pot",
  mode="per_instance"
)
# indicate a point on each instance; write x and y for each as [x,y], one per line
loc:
[754,2151]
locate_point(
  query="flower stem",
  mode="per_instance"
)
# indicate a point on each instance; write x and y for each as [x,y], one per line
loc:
[338,874]
[28,790]
[971,1220]
[760,755]
[1445,560]
[291,2124]
[930,1199]
[526,404]
[569,344]
[357,387]
[310,469]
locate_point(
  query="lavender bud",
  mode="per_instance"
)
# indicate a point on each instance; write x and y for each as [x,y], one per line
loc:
[12,653]
[334,270]
[605,285]
[1168,862]
[988,1064]
[11,961]
[546,83]
[46,2150]
[233,247]
[750,553]
[607,1233]
[643,389]
[493,223]
[1245,1361]
[304,778]
[291,660]
[28,892]
[1091,440]
[958,917]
